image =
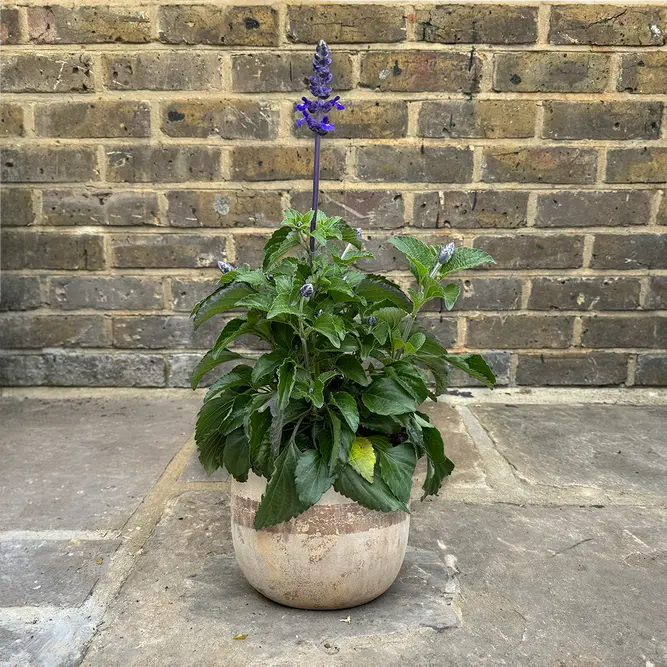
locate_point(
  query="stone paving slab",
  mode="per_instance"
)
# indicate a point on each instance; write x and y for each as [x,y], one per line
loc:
[188,591]
[459,446]
[59,573]
[45,638]
[540,586]
[194,472]
[85,464]
[622,448]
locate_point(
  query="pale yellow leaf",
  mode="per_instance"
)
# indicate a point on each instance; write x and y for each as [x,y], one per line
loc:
[362,458]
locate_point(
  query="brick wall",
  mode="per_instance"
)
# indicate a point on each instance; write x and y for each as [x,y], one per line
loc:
[142,142]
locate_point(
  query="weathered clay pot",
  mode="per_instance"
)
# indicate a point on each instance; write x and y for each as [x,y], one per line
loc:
[335,555]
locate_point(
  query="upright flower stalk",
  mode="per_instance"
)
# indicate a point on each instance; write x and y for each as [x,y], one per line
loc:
[315,115]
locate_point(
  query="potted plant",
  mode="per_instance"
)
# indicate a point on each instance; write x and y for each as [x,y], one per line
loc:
[322,433]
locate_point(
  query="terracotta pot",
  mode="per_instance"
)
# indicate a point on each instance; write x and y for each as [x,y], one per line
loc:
[335,555]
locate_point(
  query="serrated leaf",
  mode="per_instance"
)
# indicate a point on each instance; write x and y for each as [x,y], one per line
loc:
[230,332]
[438,466]
[208,363]
[452,292]
[239,376]
[362,457]
[261,302]
[331,326]
[375,288]
[286,380]
[312,477]
[265,367]
[316,393]
[392,316]
[397,465]
[466,258]
[411,378]
[279,243]
[474,365]
[283,305]
[348,408]
[220,301]
[375,496]
[280,501]
[421,256]
[415,342]
[236,457]
[386,396]
[432,289]
[352,369]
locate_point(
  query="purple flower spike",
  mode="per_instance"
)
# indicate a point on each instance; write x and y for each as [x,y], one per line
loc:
[315,111]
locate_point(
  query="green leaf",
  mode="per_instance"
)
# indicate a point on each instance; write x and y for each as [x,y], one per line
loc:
[286,379]
[397,465]
[283,304]
[348,408]
[474,365]
[420,255]
[220,301]
[466,258]
[261,302]
[375,288]
[236,416]
[207,431]
[232,330]
[415,342]
[335,447]
[265,367]
[208,363]
[236,456]
[326,376]
[276,427]
[438,466]
[452,292]
[375,496]
[331,326]
[386,396]
[280,501]
[238,377]
[392,316]
[257,426]
[211,450]
[316,393]
[312,477]
[411,378]
[362,457]
[280,242]
[432,289]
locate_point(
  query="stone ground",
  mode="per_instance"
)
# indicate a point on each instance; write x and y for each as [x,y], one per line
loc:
[547,547]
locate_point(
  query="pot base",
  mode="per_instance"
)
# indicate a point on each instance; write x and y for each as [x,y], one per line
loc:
[335,555]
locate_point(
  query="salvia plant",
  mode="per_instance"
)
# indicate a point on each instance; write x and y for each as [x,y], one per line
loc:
[335,402]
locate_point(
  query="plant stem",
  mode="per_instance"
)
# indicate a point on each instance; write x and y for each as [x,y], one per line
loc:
[316,196]
[302,336]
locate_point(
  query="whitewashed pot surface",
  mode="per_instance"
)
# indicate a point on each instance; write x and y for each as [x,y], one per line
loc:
[335,555]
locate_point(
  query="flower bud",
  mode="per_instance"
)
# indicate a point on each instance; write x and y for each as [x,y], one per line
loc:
[225,267]
[446,252]
[372,320]
[307,290]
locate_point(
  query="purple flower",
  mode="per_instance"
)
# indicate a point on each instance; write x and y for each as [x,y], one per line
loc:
[307,290]
[372,320]
[315,111]
[446,252]
[225,267]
